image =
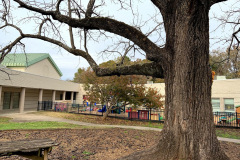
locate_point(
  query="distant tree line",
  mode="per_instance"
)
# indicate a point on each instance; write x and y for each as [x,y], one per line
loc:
[226,62]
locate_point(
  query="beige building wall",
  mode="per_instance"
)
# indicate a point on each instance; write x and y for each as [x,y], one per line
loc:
[43,68]
[47,95]
[26,80]
[78,100]
[58,95]
[224,89]
[221,89]
[79,96]
[31,99]
[33,84]
[158,86]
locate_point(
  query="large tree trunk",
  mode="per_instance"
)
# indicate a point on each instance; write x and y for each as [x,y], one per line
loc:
[189,131]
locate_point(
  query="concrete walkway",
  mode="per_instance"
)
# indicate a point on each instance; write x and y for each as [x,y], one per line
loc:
[28,117]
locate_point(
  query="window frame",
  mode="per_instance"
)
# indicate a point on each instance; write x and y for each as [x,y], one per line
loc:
[228,104]
[219,103]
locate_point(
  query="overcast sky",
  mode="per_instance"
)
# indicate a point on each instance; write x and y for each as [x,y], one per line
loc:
[69,64]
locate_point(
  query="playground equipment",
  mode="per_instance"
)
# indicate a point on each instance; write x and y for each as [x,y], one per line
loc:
[145,115]
[140,114]
[238,114]
[222,120]
[104,109]
[60,107]
[118,109]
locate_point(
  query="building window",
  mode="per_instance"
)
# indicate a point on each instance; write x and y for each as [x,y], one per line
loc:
[11,100]
[16,98]
[216,104]
[7,100]
[229,104]
[68,96]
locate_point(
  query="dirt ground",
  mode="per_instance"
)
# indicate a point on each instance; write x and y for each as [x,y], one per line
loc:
[96,144]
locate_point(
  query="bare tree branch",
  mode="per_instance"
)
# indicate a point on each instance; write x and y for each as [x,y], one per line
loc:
[89,11]
[109,25]
[148,69]
[7,49]
[70,28]
[230,19]
[58,5]
[41,25]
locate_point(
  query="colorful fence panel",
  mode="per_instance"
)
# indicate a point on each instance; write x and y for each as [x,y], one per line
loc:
[221,119]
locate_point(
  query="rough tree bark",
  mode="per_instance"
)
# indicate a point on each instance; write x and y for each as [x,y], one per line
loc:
[189,131]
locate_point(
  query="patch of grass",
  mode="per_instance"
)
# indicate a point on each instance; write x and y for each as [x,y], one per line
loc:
[73,157]
[154,125]
[99,119]
[4,120]
[228,133]
[36,125]
[86,153]
[27,135]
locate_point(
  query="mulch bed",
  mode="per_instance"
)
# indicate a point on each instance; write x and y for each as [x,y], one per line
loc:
[99,144]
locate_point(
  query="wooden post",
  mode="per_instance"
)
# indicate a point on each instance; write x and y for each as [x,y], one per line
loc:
[45,154]
[150,117]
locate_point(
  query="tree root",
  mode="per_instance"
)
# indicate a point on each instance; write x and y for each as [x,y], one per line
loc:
[168,149]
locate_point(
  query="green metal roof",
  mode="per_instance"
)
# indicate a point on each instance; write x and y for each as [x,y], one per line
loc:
[28,59]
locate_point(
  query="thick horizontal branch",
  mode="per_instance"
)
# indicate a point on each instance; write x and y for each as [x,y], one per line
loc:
[115,27]
[109,25]
[147,69]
